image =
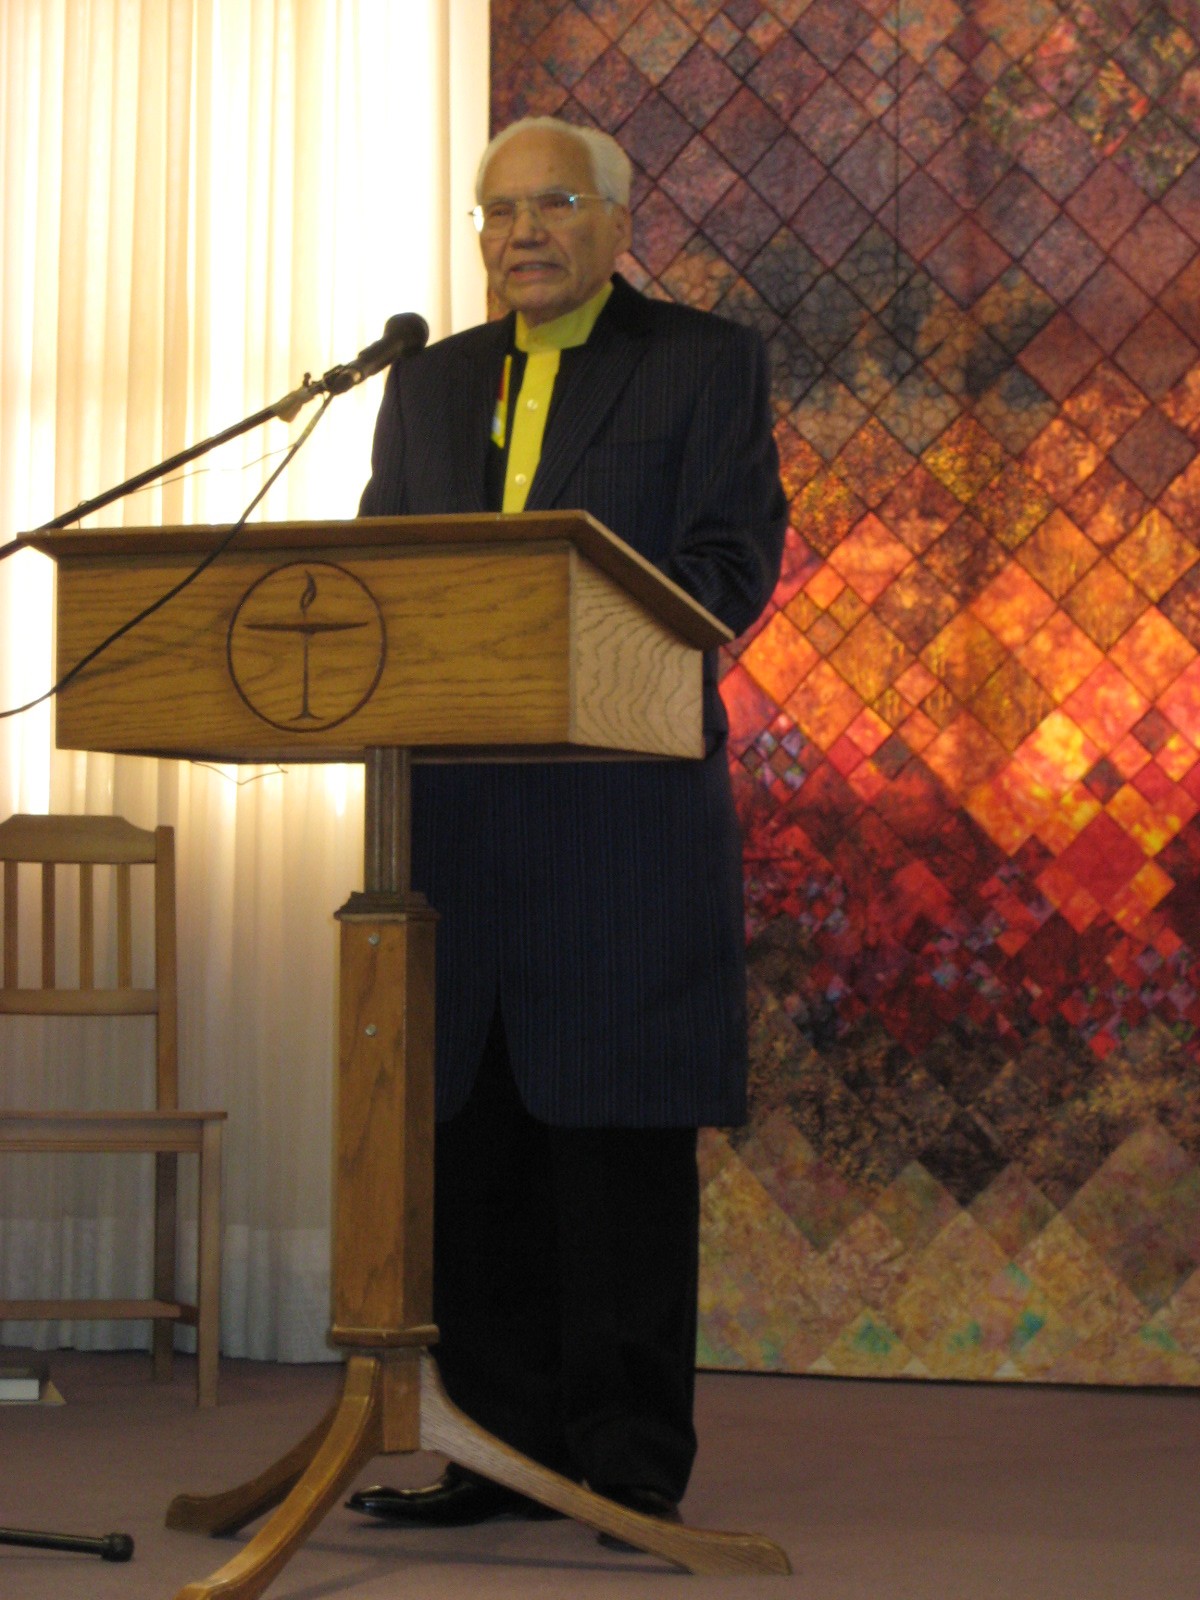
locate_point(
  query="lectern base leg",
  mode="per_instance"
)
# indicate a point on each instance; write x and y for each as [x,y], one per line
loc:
[218,1514]
[342,1445]
[317,1470]
[448,1430]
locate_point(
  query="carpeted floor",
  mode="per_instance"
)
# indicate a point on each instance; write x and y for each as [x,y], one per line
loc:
[887,1491]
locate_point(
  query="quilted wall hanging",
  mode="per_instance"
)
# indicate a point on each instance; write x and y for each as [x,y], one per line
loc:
[967,729]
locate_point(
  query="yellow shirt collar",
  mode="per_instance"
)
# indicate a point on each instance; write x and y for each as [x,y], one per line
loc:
[565,332]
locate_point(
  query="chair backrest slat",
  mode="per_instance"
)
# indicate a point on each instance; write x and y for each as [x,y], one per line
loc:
[124,928]
[164,971]
[87,927]
[49,980]
[10,924]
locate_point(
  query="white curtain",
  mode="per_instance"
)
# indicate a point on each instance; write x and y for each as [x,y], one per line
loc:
[201,200]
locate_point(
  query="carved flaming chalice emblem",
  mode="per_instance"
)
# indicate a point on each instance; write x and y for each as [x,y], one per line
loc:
[306,646]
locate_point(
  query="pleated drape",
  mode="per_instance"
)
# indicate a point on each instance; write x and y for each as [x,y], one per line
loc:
[201,200]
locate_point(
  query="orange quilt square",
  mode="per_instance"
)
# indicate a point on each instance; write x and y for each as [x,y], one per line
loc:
[1106,706]
[1060,656]
[964,754]
[824,706]
[1180,704]
[1058,554]
[869,558]
[1057,753]
[1153,653]
[778,657]
[1155,555]
[1013,606]
[964,655]
[1104,603]
[1061,457]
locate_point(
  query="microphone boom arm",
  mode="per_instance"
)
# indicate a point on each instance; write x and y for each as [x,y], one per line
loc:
[284,409]
[407,334]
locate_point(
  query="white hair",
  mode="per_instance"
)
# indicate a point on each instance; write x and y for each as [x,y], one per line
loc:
[611,171]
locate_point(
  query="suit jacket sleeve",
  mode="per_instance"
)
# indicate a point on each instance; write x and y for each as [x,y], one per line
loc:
[731,512]
[384,494]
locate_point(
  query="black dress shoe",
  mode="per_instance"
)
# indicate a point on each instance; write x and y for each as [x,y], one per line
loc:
[650,1502]
[456,1500]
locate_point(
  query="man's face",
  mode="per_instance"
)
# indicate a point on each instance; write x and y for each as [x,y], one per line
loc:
[544,270]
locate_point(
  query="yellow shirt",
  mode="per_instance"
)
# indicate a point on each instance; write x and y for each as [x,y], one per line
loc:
[542,346]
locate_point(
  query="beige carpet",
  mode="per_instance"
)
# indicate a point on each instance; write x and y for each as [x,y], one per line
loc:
[887,1491]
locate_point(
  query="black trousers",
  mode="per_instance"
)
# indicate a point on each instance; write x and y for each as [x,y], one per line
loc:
[565,1273]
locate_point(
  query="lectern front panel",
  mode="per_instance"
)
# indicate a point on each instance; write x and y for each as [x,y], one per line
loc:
[460,652]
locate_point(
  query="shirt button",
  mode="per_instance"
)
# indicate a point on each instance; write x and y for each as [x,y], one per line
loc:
[520,478]
[532,404]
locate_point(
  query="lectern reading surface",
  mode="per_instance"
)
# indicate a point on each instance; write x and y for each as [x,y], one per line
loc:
[539,637]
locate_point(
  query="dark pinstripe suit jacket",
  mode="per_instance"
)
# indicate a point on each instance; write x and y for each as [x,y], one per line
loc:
[601,903]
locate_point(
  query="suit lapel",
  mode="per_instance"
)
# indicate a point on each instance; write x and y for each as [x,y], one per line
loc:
[592,387]
[469,408]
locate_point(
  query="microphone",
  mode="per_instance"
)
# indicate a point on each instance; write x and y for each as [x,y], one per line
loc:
[403,335]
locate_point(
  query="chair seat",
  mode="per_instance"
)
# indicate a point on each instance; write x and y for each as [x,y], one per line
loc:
[95,1310]
[120,1131]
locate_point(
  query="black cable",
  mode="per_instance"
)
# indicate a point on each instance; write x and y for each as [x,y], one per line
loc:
[14,545]
[157,605]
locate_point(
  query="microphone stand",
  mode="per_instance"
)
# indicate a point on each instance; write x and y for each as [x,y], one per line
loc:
[112,1547]
[119,1546]
[284,410]
[402,335]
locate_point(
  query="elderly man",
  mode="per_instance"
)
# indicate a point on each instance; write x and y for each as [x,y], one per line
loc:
[591,983]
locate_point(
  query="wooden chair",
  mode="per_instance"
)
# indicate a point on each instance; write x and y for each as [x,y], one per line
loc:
[163,1130]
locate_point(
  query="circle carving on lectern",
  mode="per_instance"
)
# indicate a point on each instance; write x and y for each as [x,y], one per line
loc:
[306,646]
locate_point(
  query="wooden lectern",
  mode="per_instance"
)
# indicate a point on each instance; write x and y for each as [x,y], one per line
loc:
[465,638]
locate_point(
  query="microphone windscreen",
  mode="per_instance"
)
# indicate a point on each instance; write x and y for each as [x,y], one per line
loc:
[403,335]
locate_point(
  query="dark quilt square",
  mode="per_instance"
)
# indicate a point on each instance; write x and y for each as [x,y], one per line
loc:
[830,221]
[926,119]
[786,175]
[612,90]
[1155,355]
[655,134]
[1060,156]
[829,121]
[966,262]
[783,271]
[744,130]
[697,178]
[969,165]
[965,560]
[785,77]
[1109,307]
[831,30]
[741,223]
[1107,204]
[1154,250]
[700,85]
[1060,356]
[924,215]
[873,167]
[1016,212]
[1153,452]
[1063,259]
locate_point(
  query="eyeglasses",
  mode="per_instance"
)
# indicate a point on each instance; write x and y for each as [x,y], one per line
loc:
[552,208]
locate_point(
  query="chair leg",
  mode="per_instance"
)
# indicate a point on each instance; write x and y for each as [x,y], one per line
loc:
[166,1208]
[208,1272]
